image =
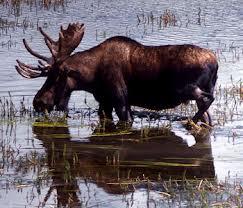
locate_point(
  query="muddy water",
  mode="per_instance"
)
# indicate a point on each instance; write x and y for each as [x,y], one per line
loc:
[69,165]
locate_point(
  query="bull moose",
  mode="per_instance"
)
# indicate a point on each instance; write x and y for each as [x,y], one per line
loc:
[121,72]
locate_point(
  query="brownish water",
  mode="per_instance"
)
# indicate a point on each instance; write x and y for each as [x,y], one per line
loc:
[45,166]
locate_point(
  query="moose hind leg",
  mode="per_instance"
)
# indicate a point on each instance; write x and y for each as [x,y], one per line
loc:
[206,118]
[203,100]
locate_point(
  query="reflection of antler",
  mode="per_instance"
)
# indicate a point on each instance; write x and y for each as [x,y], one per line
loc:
[68,40]
[48,194]
[67,191]
[66,188]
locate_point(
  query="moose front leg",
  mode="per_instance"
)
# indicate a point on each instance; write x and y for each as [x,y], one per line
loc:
[115,89]
[106,123]
[105,105]
[123,111]
[105,111]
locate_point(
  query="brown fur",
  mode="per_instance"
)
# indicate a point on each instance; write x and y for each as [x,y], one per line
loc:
[121,72]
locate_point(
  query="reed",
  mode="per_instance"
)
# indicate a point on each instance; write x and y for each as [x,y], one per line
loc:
[167,19]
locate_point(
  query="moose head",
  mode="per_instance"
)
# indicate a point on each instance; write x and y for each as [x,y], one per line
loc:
[55,68]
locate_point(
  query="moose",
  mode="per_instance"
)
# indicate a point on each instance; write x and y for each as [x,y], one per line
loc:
[120,73]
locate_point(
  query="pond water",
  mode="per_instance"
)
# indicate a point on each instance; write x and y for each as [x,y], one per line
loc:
[69,165]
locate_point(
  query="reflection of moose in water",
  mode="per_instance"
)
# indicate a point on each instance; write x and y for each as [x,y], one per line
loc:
[109,161]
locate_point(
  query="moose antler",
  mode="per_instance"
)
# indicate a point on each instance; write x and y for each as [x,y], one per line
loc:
[29,72]
[68,40]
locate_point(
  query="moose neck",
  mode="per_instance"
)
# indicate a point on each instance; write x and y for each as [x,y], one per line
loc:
[82,69]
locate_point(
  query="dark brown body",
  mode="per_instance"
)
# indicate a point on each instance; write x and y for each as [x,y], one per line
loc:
[121,72]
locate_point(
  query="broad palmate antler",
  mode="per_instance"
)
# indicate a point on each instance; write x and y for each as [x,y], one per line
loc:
[69,39]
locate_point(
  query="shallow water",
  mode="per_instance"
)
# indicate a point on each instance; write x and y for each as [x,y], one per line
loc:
[68,165]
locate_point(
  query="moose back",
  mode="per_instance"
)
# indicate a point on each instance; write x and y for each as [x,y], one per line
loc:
[121,72]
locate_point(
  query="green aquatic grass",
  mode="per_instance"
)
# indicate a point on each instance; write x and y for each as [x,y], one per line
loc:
[49,124]
[155,163]
[119,133]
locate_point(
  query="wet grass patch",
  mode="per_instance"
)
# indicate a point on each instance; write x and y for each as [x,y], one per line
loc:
[10,110]
[166,19]
[6,24]
[230,50]
[15,7]
[189,193]
[170,18]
